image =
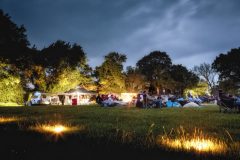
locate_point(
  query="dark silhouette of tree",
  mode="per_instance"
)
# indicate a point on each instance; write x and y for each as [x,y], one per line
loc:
[62,66]
[14,49]
[206,72]
[182,78]
[110,75]
[134,81]
[58,68]
[63,54]
[13,39]
[228,67]
[155,67]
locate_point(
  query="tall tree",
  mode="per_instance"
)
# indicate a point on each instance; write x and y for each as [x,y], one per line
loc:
[134,81]
[206,72]
[59,67]
[65,80]
[182,78]
[14,48]
[156,67]
[228,67]
[62,54]
[110,74]
[13,39]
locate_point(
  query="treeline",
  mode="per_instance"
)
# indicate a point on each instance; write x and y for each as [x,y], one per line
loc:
[62,66]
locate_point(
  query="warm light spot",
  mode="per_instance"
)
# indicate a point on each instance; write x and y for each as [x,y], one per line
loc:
[128,97]
[196,144]
[56,129]
[197,141]
[7,119]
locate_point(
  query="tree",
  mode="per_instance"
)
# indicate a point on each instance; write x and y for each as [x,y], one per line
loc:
[155,67]
[13,39]
[11,90]
[228,67]
[110,75]
[206,72]
[58,68]
[65,80]
[14,47]
[134,81]
[63,54]
[182,78]
[201,89]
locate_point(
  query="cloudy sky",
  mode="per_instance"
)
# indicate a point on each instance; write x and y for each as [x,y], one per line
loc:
[190,31]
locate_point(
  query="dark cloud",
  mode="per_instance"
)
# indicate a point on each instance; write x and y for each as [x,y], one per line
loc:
[191,31]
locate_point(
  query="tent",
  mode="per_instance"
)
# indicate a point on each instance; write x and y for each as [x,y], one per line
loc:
[78,96]
[172,104]
[191,104]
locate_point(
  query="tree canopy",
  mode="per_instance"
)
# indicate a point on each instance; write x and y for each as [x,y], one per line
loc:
[182,78]
[228,67]
[207,72]
[134,81]
[63,66]
[13,39]
[110,75]
[155,67]
[11,90]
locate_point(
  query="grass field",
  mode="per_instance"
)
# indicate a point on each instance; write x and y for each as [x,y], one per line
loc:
[124,133]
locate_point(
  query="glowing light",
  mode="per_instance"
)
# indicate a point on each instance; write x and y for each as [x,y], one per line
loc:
[197,142]
[56,129]
[128,97]
[199,145]
[7,119]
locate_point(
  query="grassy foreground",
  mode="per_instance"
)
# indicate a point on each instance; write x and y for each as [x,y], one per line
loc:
[124,133]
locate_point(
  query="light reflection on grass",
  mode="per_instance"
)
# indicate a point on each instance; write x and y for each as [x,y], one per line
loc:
[197,142]
[8,119]
[57,129]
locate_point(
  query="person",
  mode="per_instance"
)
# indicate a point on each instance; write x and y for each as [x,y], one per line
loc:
[238,102]
[139,102]
[158,102]
[144,99]
[99,99]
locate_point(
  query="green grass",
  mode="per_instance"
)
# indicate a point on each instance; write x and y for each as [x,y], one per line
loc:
[105,120]
[131,123]
[10,104]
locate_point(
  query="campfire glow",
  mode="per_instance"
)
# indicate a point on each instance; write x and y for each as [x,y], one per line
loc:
[7,119]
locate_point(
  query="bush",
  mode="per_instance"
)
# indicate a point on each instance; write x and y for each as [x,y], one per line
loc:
[11,90]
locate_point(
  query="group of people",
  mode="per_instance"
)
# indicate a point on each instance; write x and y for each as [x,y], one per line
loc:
[108,100]
[146,100]
[229,100]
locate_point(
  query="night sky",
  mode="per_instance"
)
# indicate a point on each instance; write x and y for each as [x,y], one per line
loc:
[190,31]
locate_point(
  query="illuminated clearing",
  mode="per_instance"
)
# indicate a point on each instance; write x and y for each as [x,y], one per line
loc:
[196,144]
[7,119]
